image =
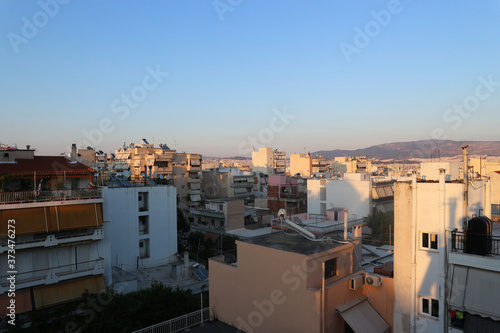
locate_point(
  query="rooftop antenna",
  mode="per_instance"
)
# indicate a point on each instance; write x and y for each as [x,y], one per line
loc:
[175,144]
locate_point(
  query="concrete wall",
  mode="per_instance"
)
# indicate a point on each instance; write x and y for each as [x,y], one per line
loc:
[121,209]
[353,192]
[266,293]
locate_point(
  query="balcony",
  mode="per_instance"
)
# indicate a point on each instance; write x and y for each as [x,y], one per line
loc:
[49,195]
[54,274]
[29,241]
[478,244]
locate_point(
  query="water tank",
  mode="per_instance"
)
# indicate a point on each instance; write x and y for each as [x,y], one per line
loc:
[478,236]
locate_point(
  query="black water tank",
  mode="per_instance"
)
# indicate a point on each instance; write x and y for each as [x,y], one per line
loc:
[478,236]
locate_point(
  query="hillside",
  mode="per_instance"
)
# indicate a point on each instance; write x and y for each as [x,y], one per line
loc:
[417,149]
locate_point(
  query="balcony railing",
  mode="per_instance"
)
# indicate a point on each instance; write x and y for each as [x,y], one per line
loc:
[180,323]
[49,195]
[54,274]
[480,244]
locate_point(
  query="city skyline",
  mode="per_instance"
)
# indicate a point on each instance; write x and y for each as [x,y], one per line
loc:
[214,77]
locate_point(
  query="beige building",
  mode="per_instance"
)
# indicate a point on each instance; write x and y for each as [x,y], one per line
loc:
[219,215]
[228,183]
[287,283]
[162,163]
[355,164]
[301,164]
[430,170]
[482,166]
[268,161]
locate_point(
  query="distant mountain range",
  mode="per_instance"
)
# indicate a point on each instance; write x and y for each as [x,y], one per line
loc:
[417,149]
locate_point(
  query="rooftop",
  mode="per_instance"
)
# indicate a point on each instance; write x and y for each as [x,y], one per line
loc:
[292,242]
[45,165]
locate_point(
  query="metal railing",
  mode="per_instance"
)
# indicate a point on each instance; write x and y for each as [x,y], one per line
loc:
[180,323]
[42,237]
[61,270]
[49,195]
[482,244]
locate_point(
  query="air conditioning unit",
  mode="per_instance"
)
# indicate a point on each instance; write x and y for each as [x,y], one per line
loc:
[356,282]
[373,280]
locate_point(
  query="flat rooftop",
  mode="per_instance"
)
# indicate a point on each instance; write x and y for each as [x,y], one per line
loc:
[292,242]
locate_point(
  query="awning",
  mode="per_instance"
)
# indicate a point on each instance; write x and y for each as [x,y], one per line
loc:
[362,317]
[476,291]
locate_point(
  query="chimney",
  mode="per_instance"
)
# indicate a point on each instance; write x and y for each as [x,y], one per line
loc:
[73,152]
[27,147]
[79,158]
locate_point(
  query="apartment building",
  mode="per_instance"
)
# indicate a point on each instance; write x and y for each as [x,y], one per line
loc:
[288,283]
[430,170]
[219,215]
[301,164]
[145,160]
[56,216]
[353,192]
[140,226]
[268,161]
[228,183]
[287,193]
[482,166]
[446,261]
[355,164]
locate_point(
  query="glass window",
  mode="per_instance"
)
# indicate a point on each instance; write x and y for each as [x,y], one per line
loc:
[330,268]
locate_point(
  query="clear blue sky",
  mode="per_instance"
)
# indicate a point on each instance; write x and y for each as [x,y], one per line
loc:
[65,71]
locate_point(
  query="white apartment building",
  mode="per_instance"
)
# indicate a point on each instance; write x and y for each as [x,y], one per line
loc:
[353,192]
[442,282]
[141,225]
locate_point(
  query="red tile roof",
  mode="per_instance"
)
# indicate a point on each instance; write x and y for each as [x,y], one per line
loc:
[45,165]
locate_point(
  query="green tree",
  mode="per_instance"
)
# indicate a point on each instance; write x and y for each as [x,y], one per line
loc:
[382,225]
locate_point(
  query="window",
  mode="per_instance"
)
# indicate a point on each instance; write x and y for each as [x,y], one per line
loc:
[144,248]
[143,201]
[429,241]
[430,307]
[143,225]
[330,268]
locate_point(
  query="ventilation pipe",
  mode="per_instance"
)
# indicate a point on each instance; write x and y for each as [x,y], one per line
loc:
[466,183]
[442,244]
[413,252]
[346,216]
[487,198]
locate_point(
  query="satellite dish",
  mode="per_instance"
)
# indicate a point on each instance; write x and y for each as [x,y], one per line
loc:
[126,173]
[161,176]
[167,177]
[155,175]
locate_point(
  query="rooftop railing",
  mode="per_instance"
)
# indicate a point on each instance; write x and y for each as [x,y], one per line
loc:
[480,244]
[49,195]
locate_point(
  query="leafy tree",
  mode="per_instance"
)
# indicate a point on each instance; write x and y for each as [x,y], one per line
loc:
[382,225]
